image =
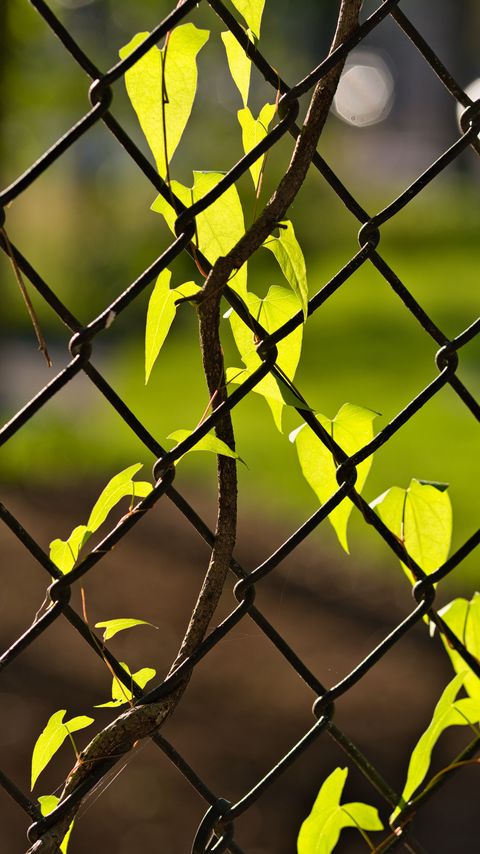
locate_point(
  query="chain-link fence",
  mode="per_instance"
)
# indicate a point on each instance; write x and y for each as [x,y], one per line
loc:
[217,831]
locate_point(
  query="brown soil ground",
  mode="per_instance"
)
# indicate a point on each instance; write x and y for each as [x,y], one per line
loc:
[245,707]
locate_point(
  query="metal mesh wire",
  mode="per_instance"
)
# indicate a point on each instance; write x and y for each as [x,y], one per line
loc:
[212,835]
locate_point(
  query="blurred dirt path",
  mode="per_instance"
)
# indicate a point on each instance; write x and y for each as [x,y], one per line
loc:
[245,707]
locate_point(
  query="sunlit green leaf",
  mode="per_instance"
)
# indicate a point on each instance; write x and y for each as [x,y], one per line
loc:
[463,618]
[188,289]
[442,487]
[64,553]
[448,712]
[421,519]
[206,443]
[279,305]
[144,87]
[280,391]
[52,738]
[120,485]
[47,805]
[162,308]
[239,64]
[140,488]
[253,131]
[121,693]
[219,227]
[352,428]
[161,206]
[289,255]
[160,314]
[320,832]
[252,11]
[141,677]
[112,627]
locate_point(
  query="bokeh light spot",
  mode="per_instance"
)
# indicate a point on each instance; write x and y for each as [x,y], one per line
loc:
[365,93]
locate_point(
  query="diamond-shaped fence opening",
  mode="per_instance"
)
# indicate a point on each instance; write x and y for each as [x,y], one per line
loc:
[283,685]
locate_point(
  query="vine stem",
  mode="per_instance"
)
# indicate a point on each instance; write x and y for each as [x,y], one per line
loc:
[208,308]
[120,736]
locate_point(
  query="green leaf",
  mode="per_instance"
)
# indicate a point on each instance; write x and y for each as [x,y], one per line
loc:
[116,489]
[447,713]
[289,255]
[352,428]
[239,64]
[52,738]
[64,553]
[206,443]
[253,131]
[469,709]
[463,618]
[47,805]
[162,308]
[144,87]
[421,519]
[122,694]
[280,391]
[279,305]
[442,487]
[320,832]
[251,11]
[112,627]
[188,289]
[141,488]
[160,314]
[219,227]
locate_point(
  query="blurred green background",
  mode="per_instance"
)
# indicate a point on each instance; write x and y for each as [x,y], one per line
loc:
[86,226]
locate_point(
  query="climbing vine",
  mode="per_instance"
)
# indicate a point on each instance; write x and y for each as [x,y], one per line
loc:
[162,86]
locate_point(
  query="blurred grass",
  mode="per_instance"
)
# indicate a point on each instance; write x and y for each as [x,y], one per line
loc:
[361,346]
[86,226]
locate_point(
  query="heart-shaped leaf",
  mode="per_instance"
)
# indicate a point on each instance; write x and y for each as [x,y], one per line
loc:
[121,693]
[52,738]
[252,11]
[421,519]
[320,832]
[448,712]
[278,306]
[463,618]
[112,627]
[253,131]
[206,443]
[289,255]
[64,553]
[145,87]
[219,227]
[352,428]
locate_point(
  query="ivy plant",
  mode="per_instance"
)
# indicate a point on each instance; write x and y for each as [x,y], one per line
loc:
[162,87]
[321,830]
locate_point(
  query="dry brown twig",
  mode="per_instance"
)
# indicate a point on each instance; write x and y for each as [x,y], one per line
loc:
[42,344]
[141,721]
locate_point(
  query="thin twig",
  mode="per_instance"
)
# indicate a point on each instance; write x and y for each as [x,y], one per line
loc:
[42,344]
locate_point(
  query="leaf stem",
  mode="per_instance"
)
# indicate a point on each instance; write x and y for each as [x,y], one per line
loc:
[361,831]
[75,749]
